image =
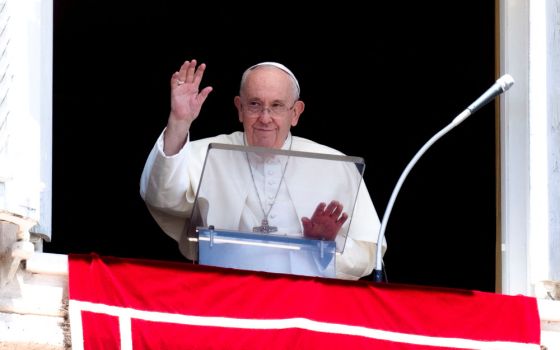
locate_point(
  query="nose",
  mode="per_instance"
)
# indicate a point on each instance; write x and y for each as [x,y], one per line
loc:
[265,115]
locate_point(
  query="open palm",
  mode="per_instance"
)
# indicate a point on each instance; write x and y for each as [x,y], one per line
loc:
[325,222]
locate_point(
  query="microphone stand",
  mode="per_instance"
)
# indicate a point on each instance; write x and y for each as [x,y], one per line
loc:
[377,273]
[500,86]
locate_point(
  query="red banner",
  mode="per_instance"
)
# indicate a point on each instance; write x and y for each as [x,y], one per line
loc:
[138,304]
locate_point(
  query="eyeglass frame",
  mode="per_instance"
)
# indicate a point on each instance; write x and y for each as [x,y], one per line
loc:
[261,108]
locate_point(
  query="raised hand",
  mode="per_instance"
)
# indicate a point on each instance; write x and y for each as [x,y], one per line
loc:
[186,102]
[325,222]
[186,99]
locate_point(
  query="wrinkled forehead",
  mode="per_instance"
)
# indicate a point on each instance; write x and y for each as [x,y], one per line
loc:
[281,67]
[275,65]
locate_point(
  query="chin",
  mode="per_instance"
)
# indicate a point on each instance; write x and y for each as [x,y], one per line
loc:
[266,141]
[265,144]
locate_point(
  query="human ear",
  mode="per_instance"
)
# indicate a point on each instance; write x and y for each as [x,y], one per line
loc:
[299,106]
[237,103]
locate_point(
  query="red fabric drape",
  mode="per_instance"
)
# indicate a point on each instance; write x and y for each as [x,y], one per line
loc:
[141,304]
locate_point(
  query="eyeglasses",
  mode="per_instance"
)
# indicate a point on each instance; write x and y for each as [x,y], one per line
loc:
[277,108]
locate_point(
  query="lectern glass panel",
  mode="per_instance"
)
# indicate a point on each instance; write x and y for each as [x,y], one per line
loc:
[251,201]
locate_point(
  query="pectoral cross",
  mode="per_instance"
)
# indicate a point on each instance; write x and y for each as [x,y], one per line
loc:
[265,227]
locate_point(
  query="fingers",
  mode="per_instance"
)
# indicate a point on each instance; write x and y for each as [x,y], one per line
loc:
[307,224]
[188,67]
[204,94]
[319,211]
[188,73]
[175,80]
[197,74]
[334,209]
[191,72]
[342,219]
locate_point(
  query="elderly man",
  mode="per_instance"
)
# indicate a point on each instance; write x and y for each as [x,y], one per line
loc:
[268,106]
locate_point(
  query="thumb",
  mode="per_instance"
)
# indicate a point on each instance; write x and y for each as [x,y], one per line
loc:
[307,225]
[204,94]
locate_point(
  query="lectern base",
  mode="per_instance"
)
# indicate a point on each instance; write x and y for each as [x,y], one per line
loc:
[269,253]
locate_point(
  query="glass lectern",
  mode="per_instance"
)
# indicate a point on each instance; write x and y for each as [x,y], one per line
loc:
[250,203]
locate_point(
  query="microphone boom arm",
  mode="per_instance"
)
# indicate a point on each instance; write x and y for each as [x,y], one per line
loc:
[458,120]
[500,86]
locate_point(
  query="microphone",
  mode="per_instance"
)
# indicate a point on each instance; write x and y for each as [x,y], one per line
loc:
[500,86]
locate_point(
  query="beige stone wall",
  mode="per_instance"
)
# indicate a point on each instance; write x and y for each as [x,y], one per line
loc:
[33,314]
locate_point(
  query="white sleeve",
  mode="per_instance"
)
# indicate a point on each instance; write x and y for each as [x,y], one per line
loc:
[165,183]
[356,261]
[166,188]
[359,255]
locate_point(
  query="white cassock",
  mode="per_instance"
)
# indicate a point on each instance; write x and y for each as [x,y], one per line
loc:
[274,187]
